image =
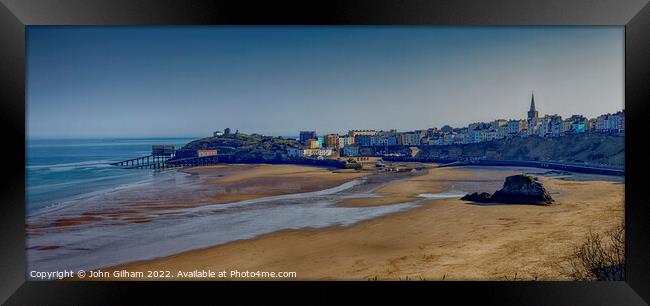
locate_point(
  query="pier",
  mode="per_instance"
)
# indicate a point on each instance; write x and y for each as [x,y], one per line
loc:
[165,156]
[192,161]
[158,158]
[145,162]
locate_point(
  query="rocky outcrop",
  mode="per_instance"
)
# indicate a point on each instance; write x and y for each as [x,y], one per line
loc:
[517,189]
[522,189]
[482,197]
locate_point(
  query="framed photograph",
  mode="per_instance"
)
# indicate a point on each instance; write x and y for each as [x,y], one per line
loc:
[494,148]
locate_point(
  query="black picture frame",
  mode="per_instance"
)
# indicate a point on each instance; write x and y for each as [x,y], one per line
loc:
[15,15]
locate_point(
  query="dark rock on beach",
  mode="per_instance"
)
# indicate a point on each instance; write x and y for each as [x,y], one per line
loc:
[482,197]
[517,189]
[522,189]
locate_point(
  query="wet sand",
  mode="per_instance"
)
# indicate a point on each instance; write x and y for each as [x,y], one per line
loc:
[443,239]
[231,183]
[210,185]
[124,234]
[439,180]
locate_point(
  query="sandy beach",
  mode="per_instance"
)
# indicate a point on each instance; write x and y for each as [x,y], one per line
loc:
[244,182]
[445,239]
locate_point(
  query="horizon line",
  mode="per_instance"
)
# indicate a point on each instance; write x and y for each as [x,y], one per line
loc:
[27,137]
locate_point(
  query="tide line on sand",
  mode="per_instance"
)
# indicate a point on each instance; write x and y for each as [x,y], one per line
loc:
[443,195]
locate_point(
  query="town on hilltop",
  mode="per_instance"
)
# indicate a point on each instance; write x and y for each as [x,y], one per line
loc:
[590,144]
[577,140]
[313,145]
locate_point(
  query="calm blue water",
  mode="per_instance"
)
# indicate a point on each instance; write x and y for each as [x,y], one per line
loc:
[59,170]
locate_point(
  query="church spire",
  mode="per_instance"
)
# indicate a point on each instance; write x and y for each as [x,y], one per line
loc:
[532,102]
[533,115]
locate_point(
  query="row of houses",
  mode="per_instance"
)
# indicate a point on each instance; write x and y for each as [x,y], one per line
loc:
[547,126]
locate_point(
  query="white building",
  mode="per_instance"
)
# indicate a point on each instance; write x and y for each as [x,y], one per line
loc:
[351,151]
[474,136]
[306,152]
[515,126]
[502,131]
[610,122]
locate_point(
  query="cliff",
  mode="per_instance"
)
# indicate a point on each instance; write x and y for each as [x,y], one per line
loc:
[587,148]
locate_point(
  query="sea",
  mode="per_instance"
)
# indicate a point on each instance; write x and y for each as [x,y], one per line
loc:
[61,170]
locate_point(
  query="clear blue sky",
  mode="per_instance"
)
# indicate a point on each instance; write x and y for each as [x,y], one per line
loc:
[190,81]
